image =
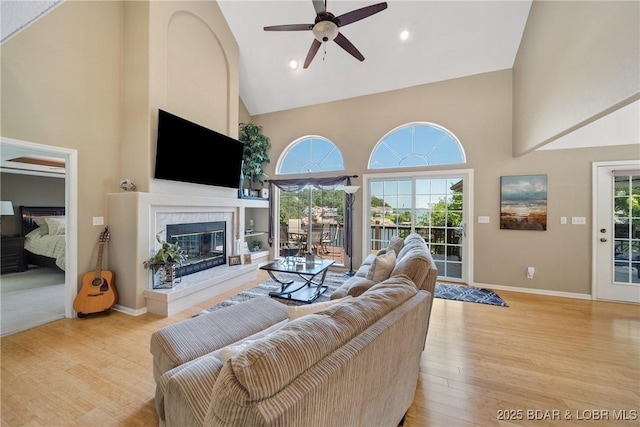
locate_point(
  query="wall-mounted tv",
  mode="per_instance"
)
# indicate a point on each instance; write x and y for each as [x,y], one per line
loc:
[189,152]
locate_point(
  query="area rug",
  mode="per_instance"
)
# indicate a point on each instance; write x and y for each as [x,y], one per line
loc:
[468,294]
[334,280]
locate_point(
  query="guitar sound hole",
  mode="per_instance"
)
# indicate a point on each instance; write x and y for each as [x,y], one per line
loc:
[97,282]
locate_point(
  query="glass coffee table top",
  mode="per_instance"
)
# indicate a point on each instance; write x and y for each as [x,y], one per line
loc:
[311,277]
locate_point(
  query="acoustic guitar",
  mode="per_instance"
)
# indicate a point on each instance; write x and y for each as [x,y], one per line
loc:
[98,292]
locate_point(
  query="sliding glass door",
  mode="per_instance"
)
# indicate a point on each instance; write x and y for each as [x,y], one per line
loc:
[312,220]
[433,206]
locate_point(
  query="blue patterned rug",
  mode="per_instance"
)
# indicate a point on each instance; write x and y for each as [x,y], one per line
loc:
[468,294]
[334,280]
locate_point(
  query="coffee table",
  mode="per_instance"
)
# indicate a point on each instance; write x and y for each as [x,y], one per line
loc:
[312,276]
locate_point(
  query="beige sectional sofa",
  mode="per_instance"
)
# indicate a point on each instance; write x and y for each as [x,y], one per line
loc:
[410,256]
[353,363]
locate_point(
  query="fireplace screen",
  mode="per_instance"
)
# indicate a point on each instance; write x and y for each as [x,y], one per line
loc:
[203,243]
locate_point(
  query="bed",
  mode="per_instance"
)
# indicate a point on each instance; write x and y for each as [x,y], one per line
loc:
[44,231]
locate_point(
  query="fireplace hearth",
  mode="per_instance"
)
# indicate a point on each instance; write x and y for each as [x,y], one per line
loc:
[203,243]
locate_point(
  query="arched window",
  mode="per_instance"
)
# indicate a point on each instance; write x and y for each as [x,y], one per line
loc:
[310,154]
[311,216]
[417,144]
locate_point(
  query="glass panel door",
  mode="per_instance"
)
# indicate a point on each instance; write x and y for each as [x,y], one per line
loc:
[439,221]
[626,220]
[432,207]
[616,231]
[312,221]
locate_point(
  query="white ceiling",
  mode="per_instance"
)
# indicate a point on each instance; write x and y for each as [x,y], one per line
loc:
[449,39]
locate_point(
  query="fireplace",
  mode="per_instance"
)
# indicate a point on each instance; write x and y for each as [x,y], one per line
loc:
[203,243]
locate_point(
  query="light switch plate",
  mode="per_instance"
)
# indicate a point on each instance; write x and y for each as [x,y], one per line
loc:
[579,220]
[483,219]
[98,220]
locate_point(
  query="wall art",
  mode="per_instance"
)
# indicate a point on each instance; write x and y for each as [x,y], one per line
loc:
[523,202]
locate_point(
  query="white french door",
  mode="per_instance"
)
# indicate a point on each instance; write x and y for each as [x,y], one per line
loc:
[436,205]
[616,233]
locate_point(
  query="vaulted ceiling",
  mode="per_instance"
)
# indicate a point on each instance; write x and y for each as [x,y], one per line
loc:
[447,39]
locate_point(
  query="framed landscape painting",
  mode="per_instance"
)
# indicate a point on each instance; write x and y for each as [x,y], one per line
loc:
[523,202]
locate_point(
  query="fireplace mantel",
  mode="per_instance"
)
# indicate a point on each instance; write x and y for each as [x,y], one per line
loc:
[136,217]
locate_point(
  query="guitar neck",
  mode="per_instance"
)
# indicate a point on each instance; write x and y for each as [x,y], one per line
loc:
[99,261]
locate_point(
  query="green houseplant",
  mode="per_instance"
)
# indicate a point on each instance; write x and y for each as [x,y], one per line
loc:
[256,152]
[256,245]
[163,264]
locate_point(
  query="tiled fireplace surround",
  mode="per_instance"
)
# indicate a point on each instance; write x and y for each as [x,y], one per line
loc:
[153,213]
[205,284]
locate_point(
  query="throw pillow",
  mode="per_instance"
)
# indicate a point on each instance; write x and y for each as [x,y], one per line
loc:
[297,311]
[40,222]
[57,225]
[229,351]
[395,243]
[382,266]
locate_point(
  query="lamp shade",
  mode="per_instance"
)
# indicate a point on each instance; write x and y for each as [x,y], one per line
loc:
[351,189]
[6,208]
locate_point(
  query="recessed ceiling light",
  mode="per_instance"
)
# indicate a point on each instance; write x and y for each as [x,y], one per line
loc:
[293,64]
[404,35]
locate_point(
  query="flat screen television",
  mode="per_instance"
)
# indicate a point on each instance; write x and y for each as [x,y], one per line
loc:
[189,152]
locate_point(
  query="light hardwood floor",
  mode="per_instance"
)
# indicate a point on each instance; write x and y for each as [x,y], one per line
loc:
[481,363]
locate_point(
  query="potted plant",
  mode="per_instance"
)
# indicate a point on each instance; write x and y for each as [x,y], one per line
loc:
[164,263]
[256,245]
[256,152]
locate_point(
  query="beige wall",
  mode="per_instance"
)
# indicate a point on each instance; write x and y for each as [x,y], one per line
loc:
[578,61]
[92,75]
[61,86]
[243,115]
[477,110]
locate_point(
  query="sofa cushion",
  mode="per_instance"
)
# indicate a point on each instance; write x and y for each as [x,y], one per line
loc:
[191,338]
[382,266]
[187,386]
[359,285]
[271,363]
[415,264]
[296,311]
[411,241]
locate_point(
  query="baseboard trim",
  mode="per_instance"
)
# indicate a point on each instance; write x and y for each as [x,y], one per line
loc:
[546,292]
[130,311]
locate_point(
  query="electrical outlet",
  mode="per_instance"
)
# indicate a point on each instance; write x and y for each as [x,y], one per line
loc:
[563,220]
[530,272]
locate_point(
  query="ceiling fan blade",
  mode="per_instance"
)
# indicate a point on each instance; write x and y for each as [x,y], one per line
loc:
[320,6]
[289,27]
[348,46]
[358,14]
[312,53]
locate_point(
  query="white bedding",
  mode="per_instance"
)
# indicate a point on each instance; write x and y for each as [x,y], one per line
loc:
[48,245]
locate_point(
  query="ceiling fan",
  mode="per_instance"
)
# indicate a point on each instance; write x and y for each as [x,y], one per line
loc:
[326,27]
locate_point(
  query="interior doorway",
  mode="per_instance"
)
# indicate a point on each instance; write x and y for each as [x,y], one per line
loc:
[26,148]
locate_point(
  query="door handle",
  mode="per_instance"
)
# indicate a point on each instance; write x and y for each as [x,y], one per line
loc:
[602,239]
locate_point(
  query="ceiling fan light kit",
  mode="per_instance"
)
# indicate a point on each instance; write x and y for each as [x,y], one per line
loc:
[326,28]
[325,31]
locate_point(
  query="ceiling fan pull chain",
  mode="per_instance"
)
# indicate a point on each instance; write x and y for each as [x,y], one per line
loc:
[324,51]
